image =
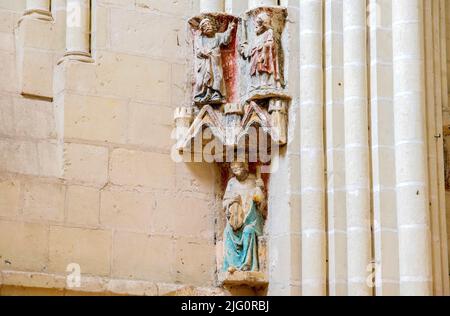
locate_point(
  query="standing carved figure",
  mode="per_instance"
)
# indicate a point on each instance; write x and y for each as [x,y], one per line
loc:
[243,201]
[263,55]
[209,84]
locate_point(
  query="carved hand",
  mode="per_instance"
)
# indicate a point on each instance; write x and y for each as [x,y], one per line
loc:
[204,53]
[243,49]
[260,183]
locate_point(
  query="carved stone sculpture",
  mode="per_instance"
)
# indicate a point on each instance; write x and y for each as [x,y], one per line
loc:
[237,105]
[263,55]
[209,83]
[243,202]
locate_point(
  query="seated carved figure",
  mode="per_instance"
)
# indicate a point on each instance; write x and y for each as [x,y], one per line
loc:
[243,201]
[209,85]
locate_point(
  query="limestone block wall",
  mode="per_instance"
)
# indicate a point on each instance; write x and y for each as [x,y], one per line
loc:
[86,175]
[87,94]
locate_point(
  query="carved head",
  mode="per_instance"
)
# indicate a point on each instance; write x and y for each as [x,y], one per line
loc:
[240,170]
[262,23]
[207,27]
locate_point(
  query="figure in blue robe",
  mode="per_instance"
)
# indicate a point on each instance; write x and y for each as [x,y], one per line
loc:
[243,201]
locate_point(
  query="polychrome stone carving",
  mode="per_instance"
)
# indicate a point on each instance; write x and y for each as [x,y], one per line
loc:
[262,53]
[243,202]
[238,98]
[263,56]
[209,85]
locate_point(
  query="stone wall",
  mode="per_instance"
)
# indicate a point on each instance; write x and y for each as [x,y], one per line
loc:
[87,179]
[86,172]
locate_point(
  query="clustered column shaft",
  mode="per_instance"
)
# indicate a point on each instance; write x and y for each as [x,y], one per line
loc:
[357,167]
[312,150]
[410,148]
[78,30]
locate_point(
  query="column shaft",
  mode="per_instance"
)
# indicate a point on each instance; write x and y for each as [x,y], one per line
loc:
[410,149]
[357,170]
[212,6]
[236,7]
[335,140]
[383,153]
[260,3]
[38,8]
[312,151]
[78,28]
[43,5]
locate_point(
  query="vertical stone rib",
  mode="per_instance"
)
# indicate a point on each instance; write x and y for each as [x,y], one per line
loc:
[236,7]
[43,5]
[383,148]
[312,153]
[440,148]
[78,29]
[261,3]
[335,140]
[409,125]
[357,170]
[433,101]
[212,6]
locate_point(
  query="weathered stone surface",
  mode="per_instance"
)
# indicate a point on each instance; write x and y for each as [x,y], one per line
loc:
[194,262]
[17,5]
[91,249]
[150,126]
[129,33]
[44,201]
[9,198]
[128,210]
[23,246]
[137,168]
[173,215]
[34,118]
[173,7]
[95,118]
[153,261]
[120,75]
[85,163]
[82,205]
[252,279]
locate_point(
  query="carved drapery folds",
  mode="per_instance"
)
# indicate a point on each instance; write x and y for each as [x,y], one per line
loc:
[238,84]
[239,106]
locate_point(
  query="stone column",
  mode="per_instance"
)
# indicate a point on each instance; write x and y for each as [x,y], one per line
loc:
[261,3]
[236,7]
[39,9]
[78,36]
[212,6]
[312,175]
[411,150]
[357,172]
[385,237]
[335,140]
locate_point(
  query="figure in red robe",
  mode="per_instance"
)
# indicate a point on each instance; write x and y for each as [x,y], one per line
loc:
[263,55]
